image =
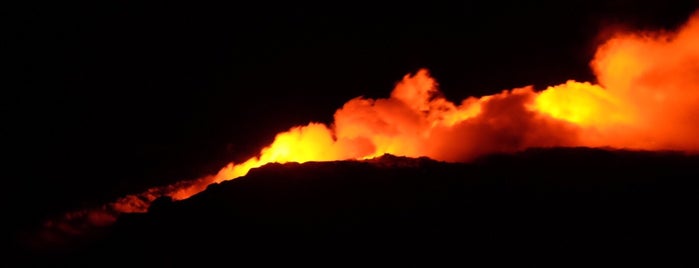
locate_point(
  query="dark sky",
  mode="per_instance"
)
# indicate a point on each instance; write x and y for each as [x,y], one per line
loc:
[115,96]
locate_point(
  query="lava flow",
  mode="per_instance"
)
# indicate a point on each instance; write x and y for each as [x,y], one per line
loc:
[646,97]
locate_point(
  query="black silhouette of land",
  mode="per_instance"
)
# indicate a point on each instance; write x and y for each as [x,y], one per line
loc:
[577,204]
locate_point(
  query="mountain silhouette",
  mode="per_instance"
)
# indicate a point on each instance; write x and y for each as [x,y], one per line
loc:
[577,204]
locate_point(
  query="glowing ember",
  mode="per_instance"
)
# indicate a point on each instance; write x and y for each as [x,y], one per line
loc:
[647,98]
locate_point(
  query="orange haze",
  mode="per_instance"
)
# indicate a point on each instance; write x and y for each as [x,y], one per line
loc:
[647,97]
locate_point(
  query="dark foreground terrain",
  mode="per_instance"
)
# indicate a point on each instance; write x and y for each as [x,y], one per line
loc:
[540,206]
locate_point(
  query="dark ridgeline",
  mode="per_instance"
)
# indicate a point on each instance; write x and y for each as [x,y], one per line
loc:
[579,204]
[116,98]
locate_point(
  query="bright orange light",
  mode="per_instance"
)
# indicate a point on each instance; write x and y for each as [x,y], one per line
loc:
[647,98]
[583,104]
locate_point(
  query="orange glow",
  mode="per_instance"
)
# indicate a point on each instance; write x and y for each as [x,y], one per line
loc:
[647,97]
[583,104]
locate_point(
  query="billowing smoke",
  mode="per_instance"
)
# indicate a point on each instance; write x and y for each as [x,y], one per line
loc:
[653,78]
[646,97]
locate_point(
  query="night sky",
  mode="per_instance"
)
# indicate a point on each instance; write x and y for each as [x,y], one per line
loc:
[118,97]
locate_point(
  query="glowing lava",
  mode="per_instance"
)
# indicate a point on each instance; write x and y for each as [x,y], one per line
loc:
[647,98]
